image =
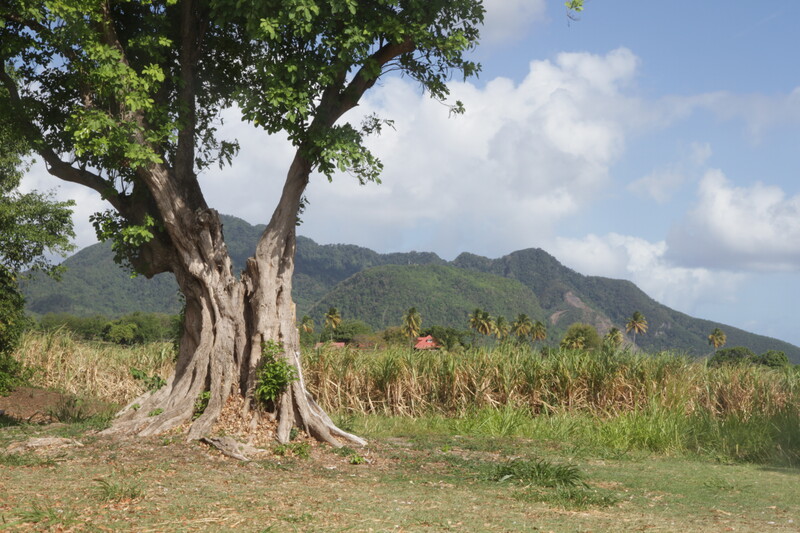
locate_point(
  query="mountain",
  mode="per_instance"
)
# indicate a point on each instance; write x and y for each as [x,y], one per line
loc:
[378,288]
[572,297]
[442,294]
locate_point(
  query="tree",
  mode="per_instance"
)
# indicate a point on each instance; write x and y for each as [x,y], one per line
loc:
[412,323]
[538,331]
[486,324]
[717,339]
[450,339]
[307,324]
[732,356]
[333,318]
[348,330]
[581,337]
[32,227]
[124,98]
[474,319]
[771,358]
[501,328]
[481,322]
[614,338]
[522,326]
[638,324]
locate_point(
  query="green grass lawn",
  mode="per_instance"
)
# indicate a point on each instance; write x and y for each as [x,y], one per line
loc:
[417,475]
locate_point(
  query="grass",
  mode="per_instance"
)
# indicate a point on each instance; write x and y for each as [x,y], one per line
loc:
[486,441]
[428,481]
[24,459]
[540,472]
[118,487]
[61,362]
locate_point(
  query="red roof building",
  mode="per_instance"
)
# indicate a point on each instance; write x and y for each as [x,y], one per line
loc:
[426,343]
[330,345]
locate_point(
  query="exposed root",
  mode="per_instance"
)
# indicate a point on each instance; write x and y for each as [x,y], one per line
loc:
[235,449]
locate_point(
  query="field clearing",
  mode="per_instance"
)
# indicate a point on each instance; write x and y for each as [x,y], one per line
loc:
[424,483]
[625,443]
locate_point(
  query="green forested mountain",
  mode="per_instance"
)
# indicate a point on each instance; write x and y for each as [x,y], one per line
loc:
[443,295]
[571,297]
[378,288]
[94,284]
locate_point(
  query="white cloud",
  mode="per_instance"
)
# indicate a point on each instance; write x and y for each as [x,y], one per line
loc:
[700,153]
[759,111]
[507,20]
[662,184]
[494,180]
[646,264]
[497,179]
[659,185]
[755,228]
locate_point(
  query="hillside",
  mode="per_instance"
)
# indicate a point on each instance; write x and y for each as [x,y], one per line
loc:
[571,297]
[378,288]
[443,295]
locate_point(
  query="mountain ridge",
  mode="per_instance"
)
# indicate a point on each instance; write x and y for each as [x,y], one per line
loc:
[377,288]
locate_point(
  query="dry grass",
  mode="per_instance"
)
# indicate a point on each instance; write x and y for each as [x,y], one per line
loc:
[101,371]
[400,382]
[406,383]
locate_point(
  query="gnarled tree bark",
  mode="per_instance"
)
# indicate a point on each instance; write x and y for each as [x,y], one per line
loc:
[226,321]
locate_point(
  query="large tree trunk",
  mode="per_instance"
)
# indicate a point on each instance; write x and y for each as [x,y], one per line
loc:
[227,320]
[269,296]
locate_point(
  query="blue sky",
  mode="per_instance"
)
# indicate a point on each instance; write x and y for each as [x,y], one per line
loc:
[650,141]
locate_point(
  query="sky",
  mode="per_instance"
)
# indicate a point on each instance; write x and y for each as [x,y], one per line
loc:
[650,141]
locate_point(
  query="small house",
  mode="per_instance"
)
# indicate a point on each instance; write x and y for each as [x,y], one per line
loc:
[426,343]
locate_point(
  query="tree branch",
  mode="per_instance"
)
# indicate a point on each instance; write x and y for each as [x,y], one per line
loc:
[55,165]
[187,116]
[362,81]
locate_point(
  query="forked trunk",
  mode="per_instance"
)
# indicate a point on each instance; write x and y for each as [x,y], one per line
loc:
[227,320]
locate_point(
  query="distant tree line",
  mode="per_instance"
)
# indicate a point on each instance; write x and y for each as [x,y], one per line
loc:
[133,328]
[141,327]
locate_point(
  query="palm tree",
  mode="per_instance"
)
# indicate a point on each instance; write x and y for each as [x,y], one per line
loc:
[614,338]
[487,326]
[574,342]
[538,332]
[481,322]
[502,328]
[307,324]
[333,318]
[717,339]
[412,322]
[475,318]
[522,326]
[474,321]
[637,324]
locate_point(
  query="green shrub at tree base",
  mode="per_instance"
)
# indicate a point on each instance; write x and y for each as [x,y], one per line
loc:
[274,374]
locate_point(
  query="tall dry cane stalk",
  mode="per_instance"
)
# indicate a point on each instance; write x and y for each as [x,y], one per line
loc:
[606,384]
[401,382]
[101,371]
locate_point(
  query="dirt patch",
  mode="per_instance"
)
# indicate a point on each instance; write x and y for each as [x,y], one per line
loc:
[34,405]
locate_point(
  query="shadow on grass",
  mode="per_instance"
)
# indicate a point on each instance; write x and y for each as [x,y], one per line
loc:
[7,421]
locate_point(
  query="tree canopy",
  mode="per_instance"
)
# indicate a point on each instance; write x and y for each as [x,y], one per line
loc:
[33,227]
[125,98]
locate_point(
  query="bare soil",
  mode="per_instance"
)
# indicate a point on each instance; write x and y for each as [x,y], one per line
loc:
[29,404]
